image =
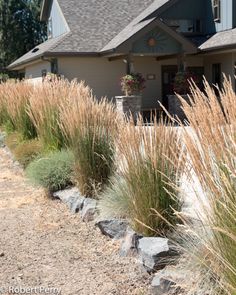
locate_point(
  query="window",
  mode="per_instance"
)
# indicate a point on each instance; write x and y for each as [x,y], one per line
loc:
[44,74]
[217,10]
[186,26]
[49,28]
[54,66]
[198,26]
[216,76]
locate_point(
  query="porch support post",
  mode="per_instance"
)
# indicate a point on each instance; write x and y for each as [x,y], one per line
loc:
[181,62]
[129,64]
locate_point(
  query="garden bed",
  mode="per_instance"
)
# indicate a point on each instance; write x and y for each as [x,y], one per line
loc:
[125,174]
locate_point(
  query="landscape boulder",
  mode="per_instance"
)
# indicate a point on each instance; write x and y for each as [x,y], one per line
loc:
[113,228]
[154,253]
[2,138]
[89,210]
[130,243]
[165,281]
[72,198]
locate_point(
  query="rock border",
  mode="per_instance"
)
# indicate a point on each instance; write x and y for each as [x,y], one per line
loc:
[153,253]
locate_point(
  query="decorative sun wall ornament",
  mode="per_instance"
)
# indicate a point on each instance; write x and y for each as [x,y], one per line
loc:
[152,42]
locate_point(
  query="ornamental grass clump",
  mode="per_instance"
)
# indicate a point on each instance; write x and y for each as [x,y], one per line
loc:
[211,146]
[90,127]
[44,111]
[14,105]
[4,116]
[114,201]
[150,158]
[27,151]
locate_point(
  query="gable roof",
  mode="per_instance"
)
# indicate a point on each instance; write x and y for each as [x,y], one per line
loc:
[220,40]
[135,25]
[97,27]
[95,23]
[37,52]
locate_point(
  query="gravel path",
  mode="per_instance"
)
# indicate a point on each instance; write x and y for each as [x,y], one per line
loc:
[42,244]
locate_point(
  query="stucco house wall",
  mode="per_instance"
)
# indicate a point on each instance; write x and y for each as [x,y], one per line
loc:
[103,76]
[34,71]
[227,61]
[100,74]
[149,65]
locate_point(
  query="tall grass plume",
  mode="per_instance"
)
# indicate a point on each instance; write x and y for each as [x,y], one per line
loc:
[90,127]
[211,145]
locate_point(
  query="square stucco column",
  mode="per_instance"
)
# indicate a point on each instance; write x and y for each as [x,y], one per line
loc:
[129,105]
[175,106]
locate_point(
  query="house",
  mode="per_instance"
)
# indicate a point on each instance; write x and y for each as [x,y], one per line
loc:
[100,41]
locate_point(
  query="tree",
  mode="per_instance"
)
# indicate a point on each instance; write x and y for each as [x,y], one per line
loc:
[20,29]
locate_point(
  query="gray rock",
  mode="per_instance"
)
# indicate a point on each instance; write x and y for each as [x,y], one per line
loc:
[154,253]
[2,139]
[113,228]
[89,209]
[130,243]
[72,198]
[164,282]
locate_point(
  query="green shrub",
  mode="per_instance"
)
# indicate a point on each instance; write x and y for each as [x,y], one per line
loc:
[53,172]
[27,151]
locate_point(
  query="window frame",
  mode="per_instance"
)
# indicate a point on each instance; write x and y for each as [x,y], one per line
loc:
[54,66]
[43,74]
[217,10]
[50,28]
[217,77]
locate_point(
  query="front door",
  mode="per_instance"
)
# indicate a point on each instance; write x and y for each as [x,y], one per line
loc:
[168,76]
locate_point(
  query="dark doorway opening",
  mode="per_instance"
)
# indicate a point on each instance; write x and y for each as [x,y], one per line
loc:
[168,77]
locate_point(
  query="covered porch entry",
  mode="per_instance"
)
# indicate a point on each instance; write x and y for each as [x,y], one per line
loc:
[158,52]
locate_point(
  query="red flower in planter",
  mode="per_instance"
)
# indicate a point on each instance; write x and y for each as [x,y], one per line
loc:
[132,84]
[181,83]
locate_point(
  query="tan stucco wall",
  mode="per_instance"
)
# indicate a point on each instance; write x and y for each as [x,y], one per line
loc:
[103,76]
[34,71]
[226,60]
[100,74]
[153,91]
[149,65]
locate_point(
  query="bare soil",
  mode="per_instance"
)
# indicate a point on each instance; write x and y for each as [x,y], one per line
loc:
[42,244]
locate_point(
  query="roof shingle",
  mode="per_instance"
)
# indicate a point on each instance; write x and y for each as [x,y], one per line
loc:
[38,51]
[99,26]
[94,23]
[221,39]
